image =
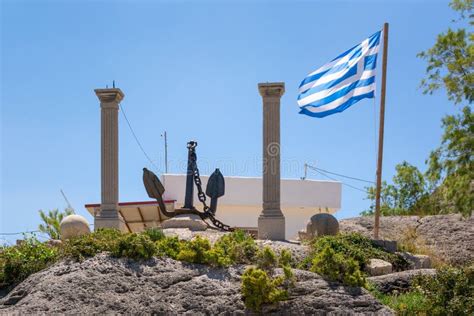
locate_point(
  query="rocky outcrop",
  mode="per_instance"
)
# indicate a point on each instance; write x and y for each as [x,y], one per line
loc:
[398,281]
[109,285]
[449,236]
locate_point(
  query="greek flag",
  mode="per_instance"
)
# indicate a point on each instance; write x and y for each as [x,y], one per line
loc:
[343,81]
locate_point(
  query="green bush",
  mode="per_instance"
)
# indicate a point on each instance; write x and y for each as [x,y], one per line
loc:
[359,248]
[266,260]
[285,258]
[405,304]
[195,251]
[155,234]
[135,246]
[89,245]
[236,247]
[336,267]
[449,292]
[258,289]
[18,262]
[169,247]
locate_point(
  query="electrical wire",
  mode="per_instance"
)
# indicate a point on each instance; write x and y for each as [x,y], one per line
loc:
[334,179]
[136,138]
[340,175]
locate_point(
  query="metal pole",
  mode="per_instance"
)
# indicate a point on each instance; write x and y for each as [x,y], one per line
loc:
[381,131]
[166,153]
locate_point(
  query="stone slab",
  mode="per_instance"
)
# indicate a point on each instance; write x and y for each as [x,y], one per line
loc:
[378,267]
[190,221]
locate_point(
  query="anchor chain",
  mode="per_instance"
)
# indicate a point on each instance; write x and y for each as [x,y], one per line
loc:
[202,196]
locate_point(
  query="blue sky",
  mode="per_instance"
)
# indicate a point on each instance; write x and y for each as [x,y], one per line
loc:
[191,68]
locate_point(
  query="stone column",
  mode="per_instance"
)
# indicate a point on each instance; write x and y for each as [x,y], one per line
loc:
[271,222]
[109,107]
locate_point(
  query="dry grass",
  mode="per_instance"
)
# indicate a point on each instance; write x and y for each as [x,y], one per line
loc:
[411,242]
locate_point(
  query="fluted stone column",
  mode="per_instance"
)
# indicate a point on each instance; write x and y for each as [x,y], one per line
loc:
[109,105]
[271,222]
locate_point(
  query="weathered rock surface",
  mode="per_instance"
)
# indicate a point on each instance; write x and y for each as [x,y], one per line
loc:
[108,285]
[398,281]
[378,267]
[449,236]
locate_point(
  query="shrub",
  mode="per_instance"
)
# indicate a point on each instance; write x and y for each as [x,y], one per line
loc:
[169,247]
[18,262]
[285,258]
[450,291]
[135,246]
[236,247]
[258,289]
[155,234]
[266,259]
[89,245]
[359,248]
[336,267]
[195,251]
[409,303]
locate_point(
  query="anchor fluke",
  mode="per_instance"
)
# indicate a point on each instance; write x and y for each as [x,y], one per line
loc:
[215,188]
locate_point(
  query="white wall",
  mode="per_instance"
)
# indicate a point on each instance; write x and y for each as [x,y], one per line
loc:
[242,203]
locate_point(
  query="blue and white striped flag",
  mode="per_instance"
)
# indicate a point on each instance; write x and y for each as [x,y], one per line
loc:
[343,81]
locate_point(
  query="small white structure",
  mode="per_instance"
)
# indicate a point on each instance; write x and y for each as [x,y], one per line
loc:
[240,206]
[242,203]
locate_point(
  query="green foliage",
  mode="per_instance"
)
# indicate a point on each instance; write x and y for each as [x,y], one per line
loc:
[52,221]
[91,244]
[135,246]
[258,289]
[404,195]
[266,259]
[336,267]
[195,251]
[30,256]
[236,247]
[169,247]
[449,292]
[406,304]
[285,258]
[155,234]
[357,247]
[448,185]
[451,59]
[451,166]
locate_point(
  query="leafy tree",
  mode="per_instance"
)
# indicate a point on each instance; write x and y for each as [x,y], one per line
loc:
[448,185]
[451,166]
[404,195]
[451,59]
[52,220]
[450,65]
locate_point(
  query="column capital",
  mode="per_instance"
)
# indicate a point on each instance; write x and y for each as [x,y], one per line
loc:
[271,89]
[109,95]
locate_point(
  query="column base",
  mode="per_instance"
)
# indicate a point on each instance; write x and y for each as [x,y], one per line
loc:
[271,227]
[109,219]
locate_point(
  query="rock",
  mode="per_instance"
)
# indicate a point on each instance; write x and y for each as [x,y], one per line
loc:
[416,261]
[190,221]
[320,225]
[398,281]
[73,225]
[378,267]
[387,245]
[164,286]
[449,237]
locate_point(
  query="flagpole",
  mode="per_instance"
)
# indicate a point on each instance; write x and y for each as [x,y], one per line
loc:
[381,131]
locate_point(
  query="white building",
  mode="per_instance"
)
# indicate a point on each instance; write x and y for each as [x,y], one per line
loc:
[242,203]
